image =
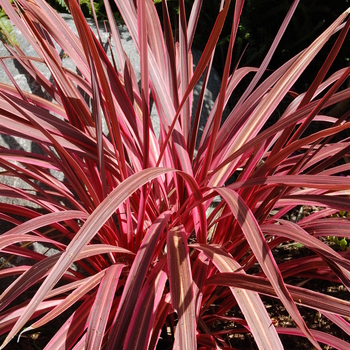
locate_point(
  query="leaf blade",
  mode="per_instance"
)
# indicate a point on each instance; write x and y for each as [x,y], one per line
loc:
[181,288]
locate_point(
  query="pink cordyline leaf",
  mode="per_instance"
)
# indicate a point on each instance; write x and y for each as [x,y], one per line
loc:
[136,277]
[102,307]
[301,296]
[82,238]
[339,321]
[58,145]
[297,145]
[181,288]
[60,31]
[13,81]
[275,160]
[320,104]
[311,181]
[320,76]
[96,101]
[47,219]
[142,31]
[144,316]
[159,89]
[35,73]
[322,337]
[80,345]
[146,121]
[19,111]
[155,37]
[195,126]
[301,267]
[79,293]
[268,104]
[207,340]
[199,274]
[328,201]
[199,215]
[268,56]
[35,134]
[263,254]
[10,316]
[64,86]
[31,276]
[23,252]
[70,332]
[17,238]
[203,62]
[40,269]
[42,198]
[294,232]
[13,271]
[221,98]
[184,61]
[193,20]
[25,158]
[163,310]
[11,13]
[170,58]
[10,192]
[235,122]
[280,126]
[92,51]
[98,249]
[121,103]
[250,303]
[321,227]
[70,286]
[116,37]
[340,265]
[234,80]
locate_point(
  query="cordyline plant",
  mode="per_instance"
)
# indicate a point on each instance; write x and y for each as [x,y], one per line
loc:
[134,211]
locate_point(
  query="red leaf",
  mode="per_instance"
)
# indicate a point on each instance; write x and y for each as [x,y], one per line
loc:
[250,303]
[135,280]
[263,254]
[181,288]
[101,309]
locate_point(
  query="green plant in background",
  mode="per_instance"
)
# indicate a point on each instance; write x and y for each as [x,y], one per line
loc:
[86,5]
[144,256]
[6,28]
[342,243]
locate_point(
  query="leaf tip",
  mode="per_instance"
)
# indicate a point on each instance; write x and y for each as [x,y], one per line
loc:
[24,330]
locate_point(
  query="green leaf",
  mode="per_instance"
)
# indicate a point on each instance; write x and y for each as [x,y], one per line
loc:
[62,3]
[6,29]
